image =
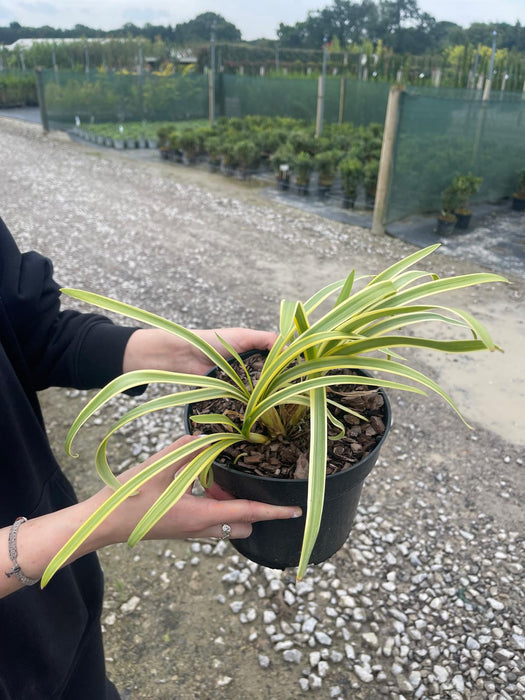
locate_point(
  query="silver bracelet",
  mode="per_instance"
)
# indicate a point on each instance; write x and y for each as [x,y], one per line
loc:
[13,553]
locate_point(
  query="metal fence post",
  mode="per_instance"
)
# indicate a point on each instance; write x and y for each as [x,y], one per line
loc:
[385,161]
[41,99]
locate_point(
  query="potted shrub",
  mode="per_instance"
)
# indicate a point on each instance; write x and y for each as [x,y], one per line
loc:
[351,173]
[304,395]
[303,140]
[269,139]
[326,164]
[174,151]
[163,140]
[303,166]
[119,140]
[281,162]
[447,218]
[518,199]
[466,187]
[189,145]
[228,158]
[247,155]
[213,149]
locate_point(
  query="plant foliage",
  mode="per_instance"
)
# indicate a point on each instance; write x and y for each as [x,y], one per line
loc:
[362,330]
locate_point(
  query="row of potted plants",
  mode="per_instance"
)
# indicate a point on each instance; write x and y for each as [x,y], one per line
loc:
[345,154]
[141,134]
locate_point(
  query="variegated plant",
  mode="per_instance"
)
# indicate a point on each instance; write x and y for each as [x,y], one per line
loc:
[361,331]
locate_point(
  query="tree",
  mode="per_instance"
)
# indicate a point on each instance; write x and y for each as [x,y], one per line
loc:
[200,29]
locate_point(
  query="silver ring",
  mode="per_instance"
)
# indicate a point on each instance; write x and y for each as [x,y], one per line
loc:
[226,532]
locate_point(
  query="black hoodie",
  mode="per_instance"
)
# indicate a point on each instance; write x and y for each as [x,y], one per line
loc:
[50,640]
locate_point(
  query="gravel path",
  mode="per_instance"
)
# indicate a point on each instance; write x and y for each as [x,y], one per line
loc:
[425,600]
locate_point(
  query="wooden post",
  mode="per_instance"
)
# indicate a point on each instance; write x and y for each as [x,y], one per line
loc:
[211,97]
[211,78]
[320,94]
[481,122]
[41,99]
[342,97]
[486,90]
[320,107]
[385,161]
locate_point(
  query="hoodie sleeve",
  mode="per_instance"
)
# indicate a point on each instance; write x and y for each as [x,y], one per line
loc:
[53,347]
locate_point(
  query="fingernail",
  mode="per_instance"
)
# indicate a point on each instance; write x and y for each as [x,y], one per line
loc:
[297,514]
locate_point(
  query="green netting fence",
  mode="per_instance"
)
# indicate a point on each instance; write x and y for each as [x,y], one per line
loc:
[110,97]
[443,133]
[362,102]
[121,98]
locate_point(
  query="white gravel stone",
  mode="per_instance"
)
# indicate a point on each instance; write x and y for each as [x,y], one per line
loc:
[441,673]
[472,643]
[293,656]
[365,675]
[314,658]
[269,616]
[223,681]
[323,668]
[519,641]
[350,652]
[309,625]
[130,605]
[323,638]
[289,597]
[458,683]
[371,639]
[315,681]
[264,661]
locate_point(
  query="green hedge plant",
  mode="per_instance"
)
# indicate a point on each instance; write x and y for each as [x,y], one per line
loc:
[326,165]
[303,166]
[351,324]
[466,187]
[351,173]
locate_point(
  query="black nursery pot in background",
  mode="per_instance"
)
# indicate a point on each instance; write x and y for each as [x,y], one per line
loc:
[463,221]
[518,203]
[277,544]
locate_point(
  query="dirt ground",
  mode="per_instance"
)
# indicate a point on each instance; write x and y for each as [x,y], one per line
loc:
[213,252]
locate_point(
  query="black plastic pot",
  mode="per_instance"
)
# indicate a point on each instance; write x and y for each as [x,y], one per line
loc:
[323,190]
[277,544]
[518,203]
[463,220]
[445,226]
[302,189]
[283,181]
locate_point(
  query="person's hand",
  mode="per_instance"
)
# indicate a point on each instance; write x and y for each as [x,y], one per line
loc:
[157,349]
[191,516]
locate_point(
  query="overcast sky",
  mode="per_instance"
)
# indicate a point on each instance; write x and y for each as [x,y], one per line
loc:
[254,19]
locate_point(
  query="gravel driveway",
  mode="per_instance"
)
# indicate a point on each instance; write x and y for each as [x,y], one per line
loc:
[426,598]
